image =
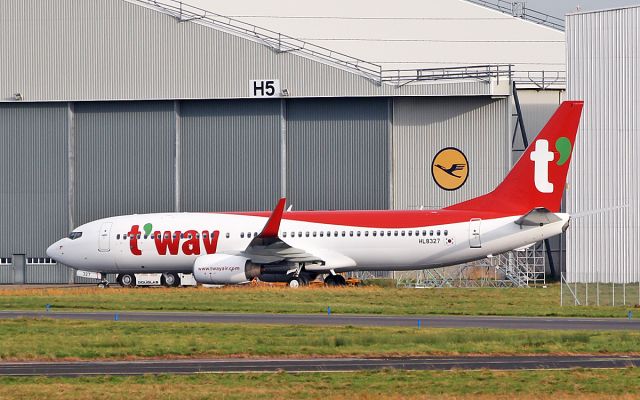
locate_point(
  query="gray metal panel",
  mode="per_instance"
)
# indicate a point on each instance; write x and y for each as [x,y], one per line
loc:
[337,154]
[6,274]
[57,273]
[33,177]
[124,159]
[479,127]
[230,155]
[114,50]
[603,57]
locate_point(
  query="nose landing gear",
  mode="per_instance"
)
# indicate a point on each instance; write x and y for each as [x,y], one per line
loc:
[104,283]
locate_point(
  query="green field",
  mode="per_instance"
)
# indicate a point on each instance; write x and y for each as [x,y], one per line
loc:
[47,339]
[360,300]
[484,385]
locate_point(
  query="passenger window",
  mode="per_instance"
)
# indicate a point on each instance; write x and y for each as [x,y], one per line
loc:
[446,232]
[438,232]
[351,233]
[335,233]
[374,233]
[358,233]
[344,233]
[430,233]
[424,233]
[182,236]
[395,233]
[410,233]
[166,236]
[329,233]
[314,233]
[139,235]
[402,233]
[299,234]
[118,236]
[417,233]
[366,233]
[321,234]
[227,235]
[284,234]
[388,233]
[241,235]
[306,234]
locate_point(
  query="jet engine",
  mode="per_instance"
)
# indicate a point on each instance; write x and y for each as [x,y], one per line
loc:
[224,269]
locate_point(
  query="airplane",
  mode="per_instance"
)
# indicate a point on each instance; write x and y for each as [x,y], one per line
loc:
[298,246]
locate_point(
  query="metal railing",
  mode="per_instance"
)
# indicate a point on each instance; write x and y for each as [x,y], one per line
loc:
[277,41]
[399,77]
[478,72]
[519,9]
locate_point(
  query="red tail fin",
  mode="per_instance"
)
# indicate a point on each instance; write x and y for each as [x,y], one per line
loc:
[539,177]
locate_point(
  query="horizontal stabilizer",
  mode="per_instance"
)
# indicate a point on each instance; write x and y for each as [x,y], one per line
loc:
[538,217]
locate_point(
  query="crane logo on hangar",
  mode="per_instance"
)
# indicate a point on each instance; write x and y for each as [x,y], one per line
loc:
[450,168]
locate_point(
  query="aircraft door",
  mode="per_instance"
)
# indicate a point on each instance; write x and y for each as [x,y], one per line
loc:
[104,239]
[474,233]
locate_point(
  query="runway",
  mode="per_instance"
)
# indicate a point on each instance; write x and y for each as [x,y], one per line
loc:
[311,365]
[426,321]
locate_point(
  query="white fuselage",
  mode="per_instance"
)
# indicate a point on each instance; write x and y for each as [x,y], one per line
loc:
[108,245]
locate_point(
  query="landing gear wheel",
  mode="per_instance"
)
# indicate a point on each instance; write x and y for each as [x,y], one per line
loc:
[294,283]
[103,285]
[127,280]
[170,280]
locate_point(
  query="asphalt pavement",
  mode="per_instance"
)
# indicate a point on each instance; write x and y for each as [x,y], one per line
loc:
[425,321]
[244,365]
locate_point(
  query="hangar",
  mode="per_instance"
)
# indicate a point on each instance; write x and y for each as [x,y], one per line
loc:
[119,107]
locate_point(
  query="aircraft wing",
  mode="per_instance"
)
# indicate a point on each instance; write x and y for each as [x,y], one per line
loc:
[537,217]
[268,247]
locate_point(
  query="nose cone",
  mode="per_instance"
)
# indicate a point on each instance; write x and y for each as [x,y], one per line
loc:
[55,251]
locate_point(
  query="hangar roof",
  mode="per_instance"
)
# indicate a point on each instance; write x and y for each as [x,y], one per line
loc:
[73,50]
[408,33]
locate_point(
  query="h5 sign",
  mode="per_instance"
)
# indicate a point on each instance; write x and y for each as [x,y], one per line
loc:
[264,88]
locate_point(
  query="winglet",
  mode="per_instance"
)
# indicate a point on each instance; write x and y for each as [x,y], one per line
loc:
[273,224]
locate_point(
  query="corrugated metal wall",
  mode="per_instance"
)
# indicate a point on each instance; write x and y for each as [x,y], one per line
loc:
[76,50]
[35,274]
[479,127]
[33,177]
[6,274]
[603,57]
[230,155]
[338,154]
[124,159]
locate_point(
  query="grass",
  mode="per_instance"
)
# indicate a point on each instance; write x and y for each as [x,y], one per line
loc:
[48,339]
[362,300]
[389,384]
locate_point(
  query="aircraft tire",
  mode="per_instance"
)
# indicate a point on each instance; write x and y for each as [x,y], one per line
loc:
[127,280]
[170,280]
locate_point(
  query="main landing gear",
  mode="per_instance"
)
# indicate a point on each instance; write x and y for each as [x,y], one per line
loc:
[126,280]
[170,279]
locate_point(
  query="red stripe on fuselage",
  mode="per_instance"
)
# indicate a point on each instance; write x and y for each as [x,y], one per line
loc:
[381,219]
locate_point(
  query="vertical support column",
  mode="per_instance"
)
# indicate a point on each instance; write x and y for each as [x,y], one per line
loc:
[71,163]
[390,152]
[178,157]
[71,174]
[283,148]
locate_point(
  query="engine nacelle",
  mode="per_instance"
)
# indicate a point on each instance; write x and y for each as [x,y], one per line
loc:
[224,269]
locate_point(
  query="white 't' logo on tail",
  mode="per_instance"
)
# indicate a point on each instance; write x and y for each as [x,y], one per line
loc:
[541,158]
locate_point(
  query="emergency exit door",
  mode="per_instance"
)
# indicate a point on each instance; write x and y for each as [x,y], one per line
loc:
[104,241]
[474,233]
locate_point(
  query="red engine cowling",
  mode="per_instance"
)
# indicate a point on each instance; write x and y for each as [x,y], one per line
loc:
[224,269]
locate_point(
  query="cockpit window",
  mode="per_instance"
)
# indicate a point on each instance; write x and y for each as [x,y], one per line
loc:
[75,235]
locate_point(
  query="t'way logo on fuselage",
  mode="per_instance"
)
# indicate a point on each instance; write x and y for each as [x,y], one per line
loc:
[172,242]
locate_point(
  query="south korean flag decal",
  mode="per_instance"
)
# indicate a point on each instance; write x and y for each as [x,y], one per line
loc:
[448,241]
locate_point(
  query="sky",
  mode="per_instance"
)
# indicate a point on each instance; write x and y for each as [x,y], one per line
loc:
[558,8]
